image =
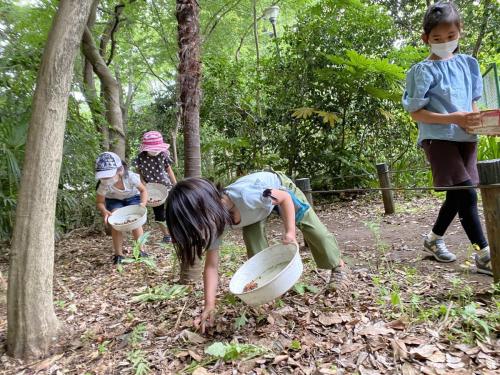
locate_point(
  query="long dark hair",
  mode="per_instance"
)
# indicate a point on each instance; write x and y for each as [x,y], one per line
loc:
[441,12]
[196,217]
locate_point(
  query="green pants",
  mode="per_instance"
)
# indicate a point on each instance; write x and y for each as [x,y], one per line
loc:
[322,243]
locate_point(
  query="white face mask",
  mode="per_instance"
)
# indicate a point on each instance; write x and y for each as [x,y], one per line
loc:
[444,50]
[153,153]
[109,181]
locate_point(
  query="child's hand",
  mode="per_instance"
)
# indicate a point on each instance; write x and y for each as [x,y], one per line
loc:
[467,120]
[105,215]
[289,238]
[142,204]
[206,319]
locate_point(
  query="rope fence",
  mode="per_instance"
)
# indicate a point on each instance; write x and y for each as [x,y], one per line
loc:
[423,188]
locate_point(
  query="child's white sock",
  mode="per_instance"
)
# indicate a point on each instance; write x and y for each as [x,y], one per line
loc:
[433,236]
[485,251]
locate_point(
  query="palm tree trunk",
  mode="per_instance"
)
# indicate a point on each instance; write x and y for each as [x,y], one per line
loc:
[188,29]
[189,71]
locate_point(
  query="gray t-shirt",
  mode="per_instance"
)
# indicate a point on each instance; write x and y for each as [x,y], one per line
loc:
[131,182]
[247,195]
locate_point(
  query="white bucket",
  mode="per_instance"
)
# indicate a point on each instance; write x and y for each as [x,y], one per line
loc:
[135,215]
[157,194]
[275,270]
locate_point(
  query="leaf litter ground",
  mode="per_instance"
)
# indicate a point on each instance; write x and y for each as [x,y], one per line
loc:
[402,313]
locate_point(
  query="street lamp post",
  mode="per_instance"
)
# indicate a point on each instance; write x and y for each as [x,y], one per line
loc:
[271,14]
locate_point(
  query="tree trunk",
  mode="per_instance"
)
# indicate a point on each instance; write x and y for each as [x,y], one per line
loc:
[178,121]
[111,94]
[482,30]
[187,12]
[90,91]
[32,322]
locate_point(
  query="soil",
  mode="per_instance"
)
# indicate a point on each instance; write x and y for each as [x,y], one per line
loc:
[386,323]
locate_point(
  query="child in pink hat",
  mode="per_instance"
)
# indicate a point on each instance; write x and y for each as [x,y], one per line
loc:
[154,165]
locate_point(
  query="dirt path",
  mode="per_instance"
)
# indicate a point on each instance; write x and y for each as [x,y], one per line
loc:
[401,314]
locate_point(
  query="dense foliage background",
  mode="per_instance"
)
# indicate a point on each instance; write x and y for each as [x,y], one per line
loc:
[321,99]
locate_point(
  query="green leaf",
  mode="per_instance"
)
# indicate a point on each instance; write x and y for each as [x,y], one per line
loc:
[295,345]
[240,321]
[304,112]
[217,349]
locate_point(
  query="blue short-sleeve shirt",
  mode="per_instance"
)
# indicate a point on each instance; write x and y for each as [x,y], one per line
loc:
[443,86]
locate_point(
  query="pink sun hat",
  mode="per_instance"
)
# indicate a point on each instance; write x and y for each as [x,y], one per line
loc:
[153,141]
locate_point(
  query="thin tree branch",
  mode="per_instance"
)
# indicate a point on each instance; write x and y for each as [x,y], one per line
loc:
[482,30]
[150,68]
[249,29]
[218,16]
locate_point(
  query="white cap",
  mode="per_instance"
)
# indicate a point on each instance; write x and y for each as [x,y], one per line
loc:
[106,165]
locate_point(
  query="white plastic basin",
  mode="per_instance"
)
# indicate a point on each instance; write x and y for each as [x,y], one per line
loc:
[157,194]
[275,270]
[135,216]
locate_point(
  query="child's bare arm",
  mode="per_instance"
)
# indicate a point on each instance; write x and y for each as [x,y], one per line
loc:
[171,175]
[465,120]
[101,206]
[210,284]
[284,200]
[144,194]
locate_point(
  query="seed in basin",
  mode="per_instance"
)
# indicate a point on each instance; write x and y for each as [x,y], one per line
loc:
[250,286]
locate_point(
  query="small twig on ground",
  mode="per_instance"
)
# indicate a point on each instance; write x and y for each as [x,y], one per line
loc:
[321,276]
[180,316]
[445,320]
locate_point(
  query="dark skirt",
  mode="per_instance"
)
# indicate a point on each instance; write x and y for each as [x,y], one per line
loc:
[452,163]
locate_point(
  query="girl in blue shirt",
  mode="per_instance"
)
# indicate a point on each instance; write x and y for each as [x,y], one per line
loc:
[441,95]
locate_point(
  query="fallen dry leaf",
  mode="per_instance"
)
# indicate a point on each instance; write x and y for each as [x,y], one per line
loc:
[192,337]
[414,340]
[195,356]
[46,363]
[397,324]
[201,371]
[367,371]
[330,319]
[399,349]
[349,348]
[429,352]
[280,358]
[375,330]
[408,369]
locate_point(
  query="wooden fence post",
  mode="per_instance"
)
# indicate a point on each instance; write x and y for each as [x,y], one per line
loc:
[304,184]
[385,182]
[489,174]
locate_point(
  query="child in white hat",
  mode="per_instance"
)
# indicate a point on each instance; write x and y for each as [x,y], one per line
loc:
[117,188]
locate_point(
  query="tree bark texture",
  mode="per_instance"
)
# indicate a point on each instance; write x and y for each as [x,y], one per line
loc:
[32,322]
[110,92]
[90,92]
[187,12]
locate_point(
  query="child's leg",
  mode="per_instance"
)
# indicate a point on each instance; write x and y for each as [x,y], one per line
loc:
[255,238]
[117,241]
[160,218]
[137,233]
[469,217]
[322,242]
[447,213]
